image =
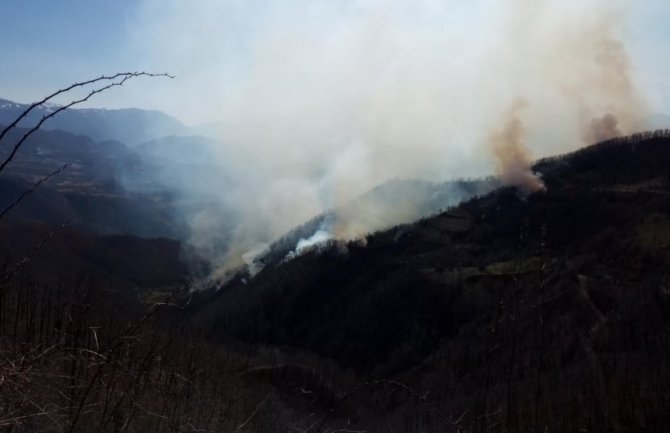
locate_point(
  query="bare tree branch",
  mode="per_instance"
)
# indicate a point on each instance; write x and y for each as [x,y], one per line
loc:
[32,189]
[121,78]
[253,413]
[25,260]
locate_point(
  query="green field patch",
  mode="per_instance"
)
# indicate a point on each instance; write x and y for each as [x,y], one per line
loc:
[514,267]
[654,232]
[647,184]
[455,221]
[151,297]
[498,269]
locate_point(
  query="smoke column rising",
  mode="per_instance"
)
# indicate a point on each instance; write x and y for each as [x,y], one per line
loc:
[319,101]
[513,157]
[601,83]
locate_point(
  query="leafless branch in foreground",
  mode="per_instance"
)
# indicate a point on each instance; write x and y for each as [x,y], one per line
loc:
[115,80]
[32,189]
[26,259]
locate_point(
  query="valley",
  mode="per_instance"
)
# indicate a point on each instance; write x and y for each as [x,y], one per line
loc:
[507,309]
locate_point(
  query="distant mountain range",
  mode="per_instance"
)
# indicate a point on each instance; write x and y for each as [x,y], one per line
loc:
[124,230]
[128,125]
[90,191]
[143,173]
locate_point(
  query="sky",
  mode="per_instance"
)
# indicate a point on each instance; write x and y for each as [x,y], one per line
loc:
[47,44]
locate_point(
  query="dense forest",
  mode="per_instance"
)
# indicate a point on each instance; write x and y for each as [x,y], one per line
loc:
[505,313]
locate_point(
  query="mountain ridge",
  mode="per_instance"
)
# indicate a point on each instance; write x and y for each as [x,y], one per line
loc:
[128,125]
[285,303]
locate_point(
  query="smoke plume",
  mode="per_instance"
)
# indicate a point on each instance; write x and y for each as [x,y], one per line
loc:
[602,128]
[600,80]
[513,157]
[318,101]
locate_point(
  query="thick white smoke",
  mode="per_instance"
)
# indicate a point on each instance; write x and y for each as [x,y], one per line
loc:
[318,101]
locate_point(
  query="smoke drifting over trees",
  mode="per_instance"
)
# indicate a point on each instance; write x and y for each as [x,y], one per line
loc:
[602,84]
[513,158]
[321,101]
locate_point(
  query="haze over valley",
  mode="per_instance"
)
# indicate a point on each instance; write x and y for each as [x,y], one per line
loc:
[354,216]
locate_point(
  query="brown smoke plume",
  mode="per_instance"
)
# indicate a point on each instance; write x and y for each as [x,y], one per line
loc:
[513,157]
[321,101]
[615,85]
[603,85]
[602,129]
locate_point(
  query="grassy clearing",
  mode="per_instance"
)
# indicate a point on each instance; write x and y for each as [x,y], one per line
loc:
[654,232]
[498,269]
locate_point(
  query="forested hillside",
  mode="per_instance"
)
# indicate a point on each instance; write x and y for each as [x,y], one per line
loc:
[490,306]
[506,313]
